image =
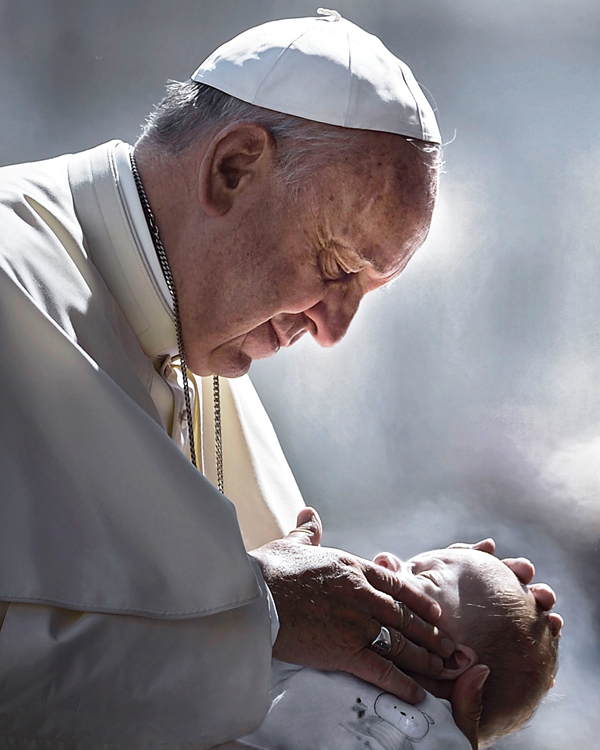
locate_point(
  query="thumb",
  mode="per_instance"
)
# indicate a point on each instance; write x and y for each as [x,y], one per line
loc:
[467,702]
[309,529]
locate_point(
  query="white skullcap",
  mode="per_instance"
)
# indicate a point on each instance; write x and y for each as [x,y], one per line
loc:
[324,69]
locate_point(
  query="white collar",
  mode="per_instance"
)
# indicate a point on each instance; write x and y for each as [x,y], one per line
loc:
[120,245]
[133,204]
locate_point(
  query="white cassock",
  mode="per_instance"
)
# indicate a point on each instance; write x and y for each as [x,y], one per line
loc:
[133,616]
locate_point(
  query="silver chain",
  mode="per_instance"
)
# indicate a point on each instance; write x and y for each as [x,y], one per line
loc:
[166,269]
[218,436]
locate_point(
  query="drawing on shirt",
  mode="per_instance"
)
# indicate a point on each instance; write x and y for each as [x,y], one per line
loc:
[396,725]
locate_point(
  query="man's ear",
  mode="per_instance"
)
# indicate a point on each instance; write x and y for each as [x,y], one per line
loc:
[387,560]
[458,662]
[237,156]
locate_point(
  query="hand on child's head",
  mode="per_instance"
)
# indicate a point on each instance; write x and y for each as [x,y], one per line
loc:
[544,595]
[462,579]
[489,607]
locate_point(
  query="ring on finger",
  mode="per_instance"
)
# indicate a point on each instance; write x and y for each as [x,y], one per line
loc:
[406,616]
[382,645]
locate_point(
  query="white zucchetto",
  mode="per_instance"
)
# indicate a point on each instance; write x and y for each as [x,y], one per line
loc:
[325,69]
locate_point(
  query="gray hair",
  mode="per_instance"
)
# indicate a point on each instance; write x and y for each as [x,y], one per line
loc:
[191,111]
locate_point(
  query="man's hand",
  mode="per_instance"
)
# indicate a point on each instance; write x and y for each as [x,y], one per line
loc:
[467,701]
[332,605]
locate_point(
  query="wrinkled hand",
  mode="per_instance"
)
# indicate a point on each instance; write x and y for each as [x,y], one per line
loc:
[524,570]
[332,605]
[467,701]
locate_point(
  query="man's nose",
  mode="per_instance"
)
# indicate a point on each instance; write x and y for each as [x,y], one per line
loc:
[333,314]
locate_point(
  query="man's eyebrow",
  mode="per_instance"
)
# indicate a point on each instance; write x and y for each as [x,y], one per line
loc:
[384,271]
[348,255]
[356,260]
[371,258]
[375,265]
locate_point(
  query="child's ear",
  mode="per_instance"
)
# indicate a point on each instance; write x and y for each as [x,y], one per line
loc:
[389,561]
[458,662]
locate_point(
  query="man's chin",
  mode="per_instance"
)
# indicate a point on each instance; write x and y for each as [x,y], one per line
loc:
[233,359]
[230,367]
[226,363]
[239,365]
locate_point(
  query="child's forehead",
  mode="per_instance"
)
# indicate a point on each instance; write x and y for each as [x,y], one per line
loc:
[457,555]
[467,562]
[467,583]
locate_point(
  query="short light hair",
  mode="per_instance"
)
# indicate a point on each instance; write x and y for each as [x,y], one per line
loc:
[516,640]
[191,111]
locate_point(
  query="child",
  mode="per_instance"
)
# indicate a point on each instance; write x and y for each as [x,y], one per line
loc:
[486,610]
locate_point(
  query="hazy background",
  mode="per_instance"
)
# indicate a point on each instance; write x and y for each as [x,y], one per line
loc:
[465,401]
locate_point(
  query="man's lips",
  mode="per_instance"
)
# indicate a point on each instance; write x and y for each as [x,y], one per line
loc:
[277,338]
[273,335]
[296,337]
[261,342]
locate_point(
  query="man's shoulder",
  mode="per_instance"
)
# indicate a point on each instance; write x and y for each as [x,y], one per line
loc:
[47,178]
[40,235]
[30,191]
[15,178]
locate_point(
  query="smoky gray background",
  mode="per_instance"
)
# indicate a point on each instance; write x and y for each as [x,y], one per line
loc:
[464,402]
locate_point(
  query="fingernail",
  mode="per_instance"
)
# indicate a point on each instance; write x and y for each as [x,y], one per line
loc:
[420,695]
[304,516]
[447,646]
[480,681]
[436,611]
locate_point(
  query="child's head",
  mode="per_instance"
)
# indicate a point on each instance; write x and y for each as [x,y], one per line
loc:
[497,622]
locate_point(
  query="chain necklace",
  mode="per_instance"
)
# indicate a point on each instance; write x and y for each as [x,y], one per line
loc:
[166,269]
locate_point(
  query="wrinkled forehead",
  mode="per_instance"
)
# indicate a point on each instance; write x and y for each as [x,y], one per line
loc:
[377,205]
[390,168]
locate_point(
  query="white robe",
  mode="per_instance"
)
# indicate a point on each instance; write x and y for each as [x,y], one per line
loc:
[135,617]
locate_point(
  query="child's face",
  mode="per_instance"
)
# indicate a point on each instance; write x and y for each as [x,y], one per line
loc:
[459,580]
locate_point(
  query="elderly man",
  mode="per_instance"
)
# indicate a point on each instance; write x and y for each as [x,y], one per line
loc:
[294,173]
